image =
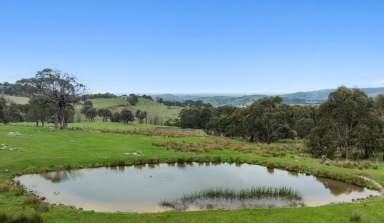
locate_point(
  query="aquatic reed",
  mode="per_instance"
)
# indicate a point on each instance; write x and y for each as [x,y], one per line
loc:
[254,193]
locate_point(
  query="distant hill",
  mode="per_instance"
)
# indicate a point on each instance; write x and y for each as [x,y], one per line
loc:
[308,97]
[316,97]
[215,100]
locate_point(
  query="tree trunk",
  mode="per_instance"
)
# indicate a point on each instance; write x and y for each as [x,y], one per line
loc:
[62,120]
[252,138]
[366,153]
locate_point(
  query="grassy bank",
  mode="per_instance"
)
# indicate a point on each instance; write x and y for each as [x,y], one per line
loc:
[33,149]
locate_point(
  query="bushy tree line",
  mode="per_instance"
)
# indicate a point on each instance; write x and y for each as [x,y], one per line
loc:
[186,103]
[348,124]
[266,120]
[99,95]
[11,89]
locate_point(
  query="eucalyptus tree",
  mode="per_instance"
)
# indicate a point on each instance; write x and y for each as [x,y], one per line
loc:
[348,123]
[91,114]
[39,109]
[106,114]
[133,99]
[264,119]
[126,116]
[141,115]
[62,90]
[116,117]
[379,105]
[3,107]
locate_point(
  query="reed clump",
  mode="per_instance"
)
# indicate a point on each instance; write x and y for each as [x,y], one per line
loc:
[4,187]
[31,199]
[252,193]
[255,193]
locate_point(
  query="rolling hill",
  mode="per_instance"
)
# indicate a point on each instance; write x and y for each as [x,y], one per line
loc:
[156,111]
[308,97]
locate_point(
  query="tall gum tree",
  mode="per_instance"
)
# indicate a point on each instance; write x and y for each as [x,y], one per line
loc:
[61,89]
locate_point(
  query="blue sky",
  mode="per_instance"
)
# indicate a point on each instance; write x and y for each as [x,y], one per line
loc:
[196,46]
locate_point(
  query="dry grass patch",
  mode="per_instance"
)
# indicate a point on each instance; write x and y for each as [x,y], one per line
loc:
[159,131]
[276,149]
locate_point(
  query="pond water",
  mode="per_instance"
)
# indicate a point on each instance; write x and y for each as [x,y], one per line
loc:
[196,186]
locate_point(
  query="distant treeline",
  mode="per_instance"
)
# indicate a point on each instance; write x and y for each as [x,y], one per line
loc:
[99,95]
[186,103]
[12,89]
[348,124]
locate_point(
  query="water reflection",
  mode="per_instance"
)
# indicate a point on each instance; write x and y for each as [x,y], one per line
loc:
[141,188]
[60,176]
[337,187]
[270,170]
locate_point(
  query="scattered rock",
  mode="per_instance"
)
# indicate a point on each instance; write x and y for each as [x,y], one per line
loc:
[6,147]
[14,134]
[133,154]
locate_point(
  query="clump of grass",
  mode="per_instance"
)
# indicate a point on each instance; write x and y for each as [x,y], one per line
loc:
[31,199]
[4,187]
[41,207]
[117,163]
[21,218]
[255,193]
[17,189]
[36,203]
[355,217]
[270,165]
[365,164]
[293,168]
[153,161]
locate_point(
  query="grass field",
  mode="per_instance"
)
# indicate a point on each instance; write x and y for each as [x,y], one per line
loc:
[16,99]
[112,125]
[42,149]
[155,110]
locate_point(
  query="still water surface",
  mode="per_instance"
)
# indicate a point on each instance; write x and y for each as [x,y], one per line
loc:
[143,188]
